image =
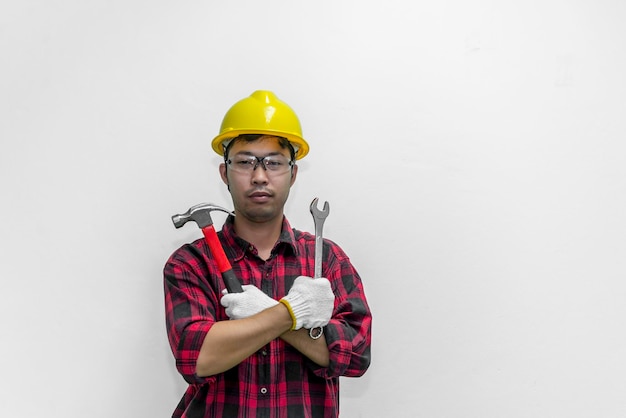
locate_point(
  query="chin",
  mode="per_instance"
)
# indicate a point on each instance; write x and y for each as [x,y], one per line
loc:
[260,214]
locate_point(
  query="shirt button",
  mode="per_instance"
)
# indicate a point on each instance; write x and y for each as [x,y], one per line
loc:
[263,391]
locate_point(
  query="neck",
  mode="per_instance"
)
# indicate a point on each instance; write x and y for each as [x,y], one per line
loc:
[262,235]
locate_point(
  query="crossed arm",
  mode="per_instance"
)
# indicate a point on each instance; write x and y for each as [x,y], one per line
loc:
[228,343]
[200,353]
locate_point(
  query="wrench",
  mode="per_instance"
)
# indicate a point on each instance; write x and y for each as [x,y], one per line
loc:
[318,219]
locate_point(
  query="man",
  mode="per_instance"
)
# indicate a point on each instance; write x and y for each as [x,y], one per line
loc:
[278,348]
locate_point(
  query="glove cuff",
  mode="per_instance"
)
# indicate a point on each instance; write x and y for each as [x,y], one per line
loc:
[298,308]
[293,316]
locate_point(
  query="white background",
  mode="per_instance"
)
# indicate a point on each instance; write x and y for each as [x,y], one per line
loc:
[472,153]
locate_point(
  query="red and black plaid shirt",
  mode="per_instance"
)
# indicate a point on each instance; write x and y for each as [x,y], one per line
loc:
[277,381]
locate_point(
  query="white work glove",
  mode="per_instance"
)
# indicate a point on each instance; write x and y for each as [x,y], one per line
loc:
[310,302]
[247,303]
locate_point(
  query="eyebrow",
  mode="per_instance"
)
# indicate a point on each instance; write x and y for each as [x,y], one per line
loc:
[250,153]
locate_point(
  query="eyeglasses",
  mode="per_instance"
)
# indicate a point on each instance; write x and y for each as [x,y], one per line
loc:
[272,164]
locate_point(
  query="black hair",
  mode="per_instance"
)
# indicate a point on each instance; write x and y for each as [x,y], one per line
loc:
[283,142]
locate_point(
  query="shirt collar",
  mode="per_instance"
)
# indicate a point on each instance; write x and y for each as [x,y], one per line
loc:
[236,246]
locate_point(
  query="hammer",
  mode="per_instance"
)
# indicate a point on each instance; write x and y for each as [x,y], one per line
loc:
[201,215]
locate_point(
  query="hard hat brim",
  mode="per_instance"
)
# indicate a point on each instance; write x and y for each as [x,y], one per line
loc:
[299,144]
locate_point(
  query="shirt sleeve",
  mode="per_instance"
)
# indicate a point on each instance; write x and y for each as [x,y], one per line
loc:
[348,334]
[189,308]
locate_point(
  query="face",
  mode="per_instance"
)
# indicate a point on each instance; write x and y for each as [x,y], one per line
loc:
[258,195]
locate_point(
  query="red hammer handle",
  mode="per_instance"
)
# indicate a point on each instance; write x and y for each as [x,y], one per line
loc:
[228,275]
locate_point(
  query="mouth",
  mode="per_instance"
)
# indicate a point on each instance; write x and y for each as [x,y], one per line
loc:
[260,196]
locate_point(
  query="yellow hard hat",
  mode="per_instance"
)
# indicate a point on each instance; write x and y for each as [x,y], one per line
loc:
[261,113]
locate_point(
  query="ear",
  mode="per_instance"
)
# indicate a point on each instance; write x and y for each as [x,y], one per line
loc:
[223,173]
[294,174]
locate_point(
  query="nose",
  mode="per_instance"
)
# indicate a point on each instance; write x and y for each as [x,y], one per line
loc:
[259,175]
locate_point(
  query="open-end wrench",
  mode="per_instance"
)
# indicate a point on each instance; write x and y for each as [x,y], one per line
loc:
[318,219]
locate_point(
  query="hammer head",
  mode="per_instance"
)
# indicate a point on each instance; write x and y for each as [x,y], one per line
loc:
[200,214]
